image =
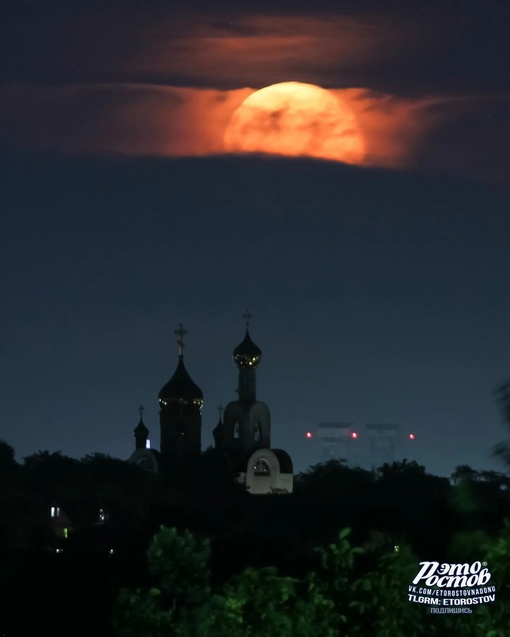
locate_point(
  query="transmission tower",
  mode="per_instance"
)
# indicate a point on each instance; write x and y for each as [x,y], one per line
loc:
[384,440]
[336,440]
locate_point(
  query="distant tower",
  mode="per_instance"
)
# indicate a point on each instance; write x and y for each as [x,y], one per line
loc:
[141,432]
[180,415]
[384,444]
[336,440]
[218,430]
[243,434]
[144,457]
[246,424]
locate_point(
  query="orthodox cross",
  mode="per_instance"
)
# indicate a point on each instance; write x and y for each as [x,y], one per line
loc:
[140,409]
[181,333]
[247,317]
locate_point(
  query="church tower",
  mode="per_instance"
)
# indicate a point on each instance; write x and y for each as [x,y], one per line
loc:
[243,434]
[144,456]
[180,416]
[141,432]
[246,424]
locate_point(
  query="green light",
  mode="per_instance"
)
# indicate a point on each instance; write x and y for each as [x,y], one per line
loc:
[65,532]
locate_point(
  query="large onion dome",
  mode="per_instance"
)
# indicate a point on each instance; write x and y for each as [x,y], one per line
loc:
[247,354]
[180,388]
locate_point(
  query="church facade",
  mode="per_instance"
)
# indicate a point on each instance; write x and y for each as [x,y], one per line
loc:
[242,435]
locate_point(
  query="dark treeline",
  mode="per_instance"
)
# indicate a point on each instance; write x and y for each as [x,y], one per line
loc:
[75,532]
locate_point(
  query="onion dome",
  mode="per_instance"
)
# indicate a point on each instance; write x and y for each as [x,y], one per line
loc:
[247,354]
[218,433]
[141,430]
[180,388]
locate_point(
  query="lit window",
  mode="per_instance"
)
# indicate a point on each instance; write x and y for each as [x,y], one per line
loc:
[111,552]
[102,515]
[55,512]
[147,444]
[66,532]
[261,468]
[58,550]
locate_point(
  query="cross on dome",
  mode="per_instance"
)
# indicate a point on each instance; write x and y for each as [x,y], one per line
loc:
[181,333]
[247,317]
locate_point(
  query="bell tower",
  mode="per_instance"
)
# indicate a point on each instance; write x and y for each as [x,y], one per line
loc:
[180,416]
[246,423]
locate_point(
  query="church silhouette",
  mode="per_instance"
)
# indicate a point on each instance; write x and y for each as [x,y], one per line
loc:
[242,435]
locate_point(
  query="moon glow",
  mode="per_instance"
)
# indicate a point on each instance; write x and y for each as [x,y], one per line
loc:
[295,119]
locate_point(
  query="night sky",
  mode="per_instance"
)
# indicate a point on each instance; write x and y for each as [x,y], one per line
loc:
[379,291]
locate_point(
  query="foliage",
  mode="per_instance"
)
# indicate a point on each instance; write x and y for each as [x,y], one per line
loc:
[466,546]
[462,498]
[380,606]
[337,561]
[464,472]
[328,477]
[264,602]
[496,552]
[143,614]
[331,601]
[179,565]
[270,604]
[51,467]
[210,471]
[258,602]
[7,462]
[396,470]
[488,619]
[502,449]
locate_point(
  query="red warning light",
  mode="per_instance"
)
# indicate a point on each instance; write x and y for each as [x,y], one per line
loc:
[354,435]
[411,436]
[308,434]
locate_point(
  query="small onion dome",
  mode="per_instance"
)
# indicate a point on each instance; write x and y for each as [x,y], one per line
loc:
[247,354]
[218,431]
[180,387]
[141,430]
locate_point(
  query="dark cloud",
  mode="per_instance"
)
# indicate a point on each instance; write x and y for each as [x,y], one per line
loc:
[407,48]
[474,139]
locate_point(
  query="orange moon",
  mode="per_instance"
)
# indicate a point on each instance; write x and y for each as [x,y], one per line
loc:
[296,119]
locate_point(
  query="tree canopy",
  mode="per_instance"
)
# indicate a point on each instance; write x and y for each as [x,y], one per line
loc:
[331,600]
